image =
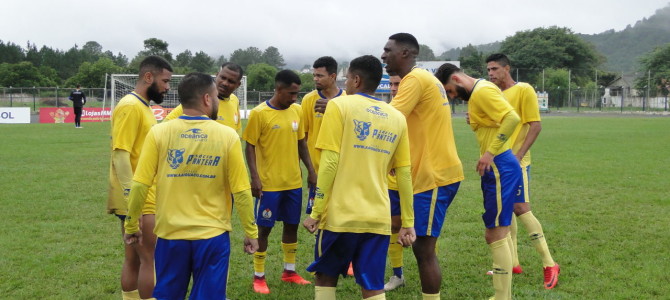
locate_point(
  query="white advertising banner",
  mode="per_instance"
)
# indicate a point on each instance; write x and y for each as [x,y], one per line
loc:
[15,115]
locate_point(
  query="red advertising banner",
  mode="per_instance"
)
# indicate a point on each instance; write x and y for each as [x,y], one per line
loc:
[89,114]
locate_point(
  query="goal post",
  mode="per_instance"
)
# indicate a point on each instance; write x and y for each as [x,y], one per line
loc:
[123,84]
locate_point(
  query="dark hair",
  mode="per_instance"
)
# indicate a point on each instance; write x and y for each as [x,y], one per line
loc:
[407,40]
[500,58]
[369,68]
[328,62]
[192,87]
[286,78]
[234,67]
[154,64]
[445,71]
[78,85]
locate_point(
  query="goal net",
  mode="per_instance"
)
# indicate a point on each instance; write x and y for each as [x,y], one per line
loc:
[122,84]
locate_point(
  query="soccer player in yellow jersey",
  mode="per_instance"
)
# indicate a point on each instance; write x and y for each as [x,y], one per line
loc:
[275,139]
[436,168]
[523,98]
[228,80]
[361,139]
[493,120]
[131,120]
[325,77]
[196,164]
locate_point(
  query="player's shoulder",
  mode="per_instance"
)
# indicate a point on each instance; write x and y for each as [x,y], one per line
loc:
[296,107]
[233,97]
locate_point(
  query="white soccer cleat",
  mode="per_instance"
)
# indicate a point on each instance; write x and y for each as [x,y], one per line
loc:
[394,283]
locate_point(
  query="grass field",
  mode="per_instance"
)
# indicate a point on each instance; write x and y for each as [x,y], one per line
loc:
[599,187]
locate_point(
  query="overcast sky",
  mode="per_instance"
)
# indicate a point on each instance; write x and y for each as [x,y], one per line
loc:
[303,30]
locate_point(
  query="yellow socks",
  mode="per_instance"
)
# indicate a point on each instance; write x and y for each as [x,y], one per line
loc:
[324,293]
[536,234]
[512,234]
[132,295]
[259,263]
[289,250]
[431,296]
[502,269]
[381,296]
[395,251]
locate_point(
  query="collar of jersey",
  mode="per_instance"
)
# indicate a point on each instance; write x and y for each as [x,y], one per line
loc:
[185,117]
[140,98]
[324,97]
[275,108]
[368,96]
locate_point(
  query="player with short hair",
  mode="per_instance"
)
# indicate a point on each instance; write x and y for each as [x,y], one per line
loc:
[493,120]
[436,168]
[228,80]
[275,139]
[132,119]
[78,99]
[325,79]
[523,98]
[196,164]
[361,139]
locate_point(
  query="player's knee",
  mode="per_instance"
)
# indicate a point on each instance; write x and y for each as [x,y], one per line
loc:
[521,208]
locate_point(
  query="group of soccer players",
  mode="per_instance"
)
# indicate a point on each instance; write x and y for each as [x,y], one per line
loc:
[381,176]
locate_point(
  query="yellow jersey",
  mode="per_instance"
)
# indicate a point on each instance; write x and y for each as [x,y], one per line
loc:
[275,134]
[229,113]
[486,108]
[423,101]
[197,164]
[371,138]
[132,119]
[312,122]
[523,99]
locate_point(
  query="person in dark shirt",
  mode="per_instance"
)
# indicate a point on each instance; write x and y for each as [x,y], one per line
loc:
[78,99]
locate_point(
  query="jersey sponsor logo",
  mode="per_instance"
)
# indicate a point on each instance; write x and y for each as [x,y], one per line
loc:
[195,134]
[384,135]
[175,157]
[267,213]
[203,160]
[377,111]
[294,125]
[362,129]
[276,126]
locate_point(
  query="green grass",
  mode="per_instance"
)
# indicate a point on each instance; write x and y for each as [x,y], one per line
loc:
[599,188]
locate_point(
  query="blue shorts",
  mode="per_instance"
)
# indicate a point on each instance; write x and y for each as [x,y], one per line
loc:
[395,202]
[366,251]
[522,195]
[121,217]
[207,260]
[499,188]
[310,200]
[430,208]
[282,206]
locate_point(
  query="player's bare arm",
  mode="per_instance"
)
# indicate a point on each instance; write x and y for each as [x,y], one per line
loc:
[256,186]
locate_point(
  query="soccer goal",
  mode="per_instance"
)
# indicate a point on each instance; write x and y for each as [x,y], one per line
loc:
[123,84]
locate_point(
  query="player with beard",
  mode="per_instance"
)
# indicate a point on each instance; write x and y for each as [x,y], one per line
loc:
[494,121]
[132,119]
[228,80]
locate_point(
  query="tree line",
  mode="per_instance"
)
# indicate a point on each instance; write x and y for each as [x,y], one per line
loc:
[543,57]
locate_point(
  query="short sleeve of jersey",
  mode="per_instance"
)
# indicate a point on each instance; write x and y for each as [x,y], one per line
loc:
[239,118]
[125,128]
[237,170]
[148,162]
[301,122]
[253,131]
[332,128]
[175,113]
[409,94]
[307,110]
[401,157]
[493,104]
[530,111]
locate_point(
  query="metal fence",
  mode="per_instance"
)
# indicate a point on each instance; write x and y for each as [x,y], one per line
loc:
[36,97]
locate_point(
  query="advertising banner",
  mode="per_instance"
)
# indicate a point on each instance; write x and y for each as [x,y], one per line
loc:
[88,114]
[15,115]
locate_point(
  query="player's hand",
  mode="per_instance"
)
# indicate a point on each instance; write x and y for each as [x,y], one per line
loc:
[133,238]
[256,188]
[310,224]
[250,245]
[467,118]
[519,158]
[311,179]
[320,105]
[484,163]
[406,236]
